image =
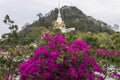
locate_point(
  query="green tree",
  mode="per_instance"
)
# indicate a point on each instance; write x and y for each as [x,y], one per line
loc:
[8,65]
[40,16]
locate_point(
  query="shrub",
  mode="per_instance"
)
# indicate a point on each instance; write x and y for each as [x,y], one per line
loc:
[61,60]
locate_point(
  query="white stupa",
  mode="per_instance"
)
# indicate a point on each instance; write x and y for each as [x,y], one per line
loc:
[59,23]
[59,18]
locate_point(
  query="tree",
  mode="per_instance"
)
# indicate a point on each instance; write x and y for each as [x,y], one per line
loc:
[8,65]
[12,36]
[116,27]
[40,16]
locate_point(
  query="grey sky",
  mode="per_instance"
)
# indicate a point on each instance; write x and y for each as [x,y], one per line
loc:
[24,11]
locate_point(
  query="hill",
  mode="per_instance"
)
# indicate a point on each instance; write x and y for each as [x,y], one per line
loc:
[72,16]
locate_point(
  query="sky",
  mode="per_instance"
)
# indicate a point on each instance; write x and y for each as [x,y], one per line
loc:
[25,11]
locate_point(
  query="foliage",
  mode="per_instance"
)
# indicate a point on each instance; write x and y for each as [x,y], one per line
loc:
[10,43]
[116,41]
[109,60]
[98,40]
[60,58]
[11,37]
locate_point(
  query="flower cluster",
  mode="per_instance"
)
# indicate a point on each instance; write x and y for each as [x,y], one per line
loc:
[61,60]
[107,53]
[115,75]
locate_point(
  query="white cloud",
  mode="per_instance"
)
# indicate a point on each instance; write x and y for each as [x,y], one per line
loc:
[23,11]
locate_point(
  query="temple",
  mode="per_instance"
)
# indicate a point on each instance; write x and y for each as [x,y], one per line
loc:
[59,23]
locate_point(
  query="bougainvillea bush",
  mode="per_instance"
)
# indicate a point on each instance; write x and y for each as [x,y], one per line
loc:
[59,59]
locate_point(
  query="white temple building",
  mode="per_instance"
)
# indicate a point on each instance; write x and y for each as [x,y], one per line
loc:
[59,23]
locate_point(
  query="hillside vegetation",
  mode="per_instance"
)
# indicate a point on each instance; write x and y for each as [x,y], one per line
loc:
[73,17]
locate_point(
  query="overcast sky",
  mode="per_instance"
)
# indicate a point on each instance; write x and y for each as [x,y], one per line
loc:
[24,11]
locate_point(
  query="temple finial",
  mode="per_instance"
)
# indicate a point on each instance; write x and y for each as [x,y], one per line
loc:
[59,9]
[59,5]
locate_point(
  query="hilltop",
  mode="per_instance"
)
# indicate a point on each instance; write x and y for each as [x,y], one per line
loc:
[72,16]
